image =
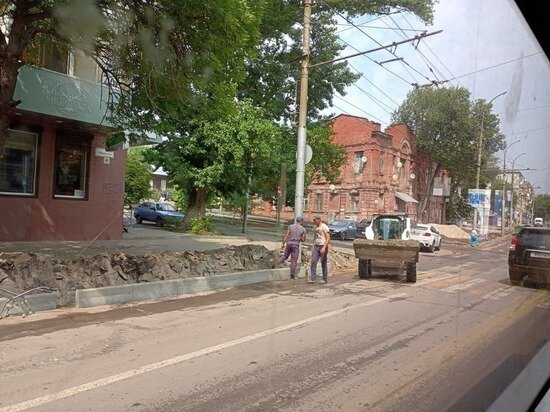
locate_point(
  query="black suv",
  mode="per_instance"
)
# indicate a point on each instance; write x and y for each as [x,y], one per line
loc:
[529,256]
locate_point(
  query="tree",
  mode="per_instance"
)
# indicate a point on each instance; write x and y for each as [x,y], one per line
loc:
[273,75]
[132,42]
[447,125]
[221,156]
[541,208]
[138,176]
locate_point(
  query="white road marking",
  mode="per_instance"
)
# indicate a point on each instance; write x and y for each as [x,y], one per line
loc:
[497,294]
[464,285]
[33,403]
[433,280]
[545,304]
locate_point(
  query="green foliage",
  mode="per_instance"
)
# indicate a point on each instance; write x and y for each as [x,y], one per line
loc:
[203,226]
[447,125]
[171,222]
[138,176]
[180,199]
[541,207]
[458,208]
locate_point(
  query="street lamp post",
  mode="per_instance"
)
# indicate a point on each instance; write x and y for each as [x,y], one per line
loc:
[503,205]
[480,151]
[511,223]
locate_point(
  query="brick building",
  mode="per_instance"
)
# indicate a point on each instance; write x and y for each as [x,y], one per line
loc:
[57,180]
[378,176]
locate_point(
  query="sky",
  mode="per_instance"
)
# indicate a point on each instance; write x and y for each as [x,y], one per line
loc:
[485,46]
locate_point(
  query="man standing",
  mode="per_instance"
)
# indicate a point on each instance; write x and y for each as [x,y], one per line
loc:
[291,244]
[320,249]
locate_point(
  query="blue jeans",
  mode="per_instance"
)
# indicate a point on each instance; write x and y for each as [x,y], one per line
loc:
[292,249]
[315,256]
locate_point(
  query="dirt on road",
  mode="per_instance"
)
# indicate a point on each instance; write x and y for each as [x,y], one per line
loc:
[23,271]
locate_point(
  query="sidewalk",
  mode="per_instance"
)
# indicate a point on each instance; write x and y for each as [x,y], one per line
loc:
[139,240]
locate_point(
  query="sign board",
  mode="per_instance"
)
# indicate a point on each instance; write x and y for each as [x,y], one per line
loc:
[480,199]
[100,152]
[309,154]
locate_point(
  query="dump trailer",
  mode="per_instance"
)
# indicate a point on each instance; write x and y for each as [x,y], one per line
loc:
[388,248]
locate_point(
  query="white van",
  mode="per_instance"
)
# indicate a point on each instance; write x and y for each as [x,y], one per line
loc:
[538,221]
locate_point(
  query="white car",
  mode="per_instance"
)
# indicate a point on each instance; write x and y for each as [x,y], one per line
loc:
[427,235]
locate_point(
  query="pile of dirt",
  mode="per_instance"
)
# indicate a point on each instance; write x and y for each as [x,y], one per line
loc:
[20,272]
[451,231]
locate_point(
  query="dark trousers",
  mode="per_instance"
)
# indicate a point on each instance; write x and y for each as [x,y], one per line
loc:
[315,256]
[292,249]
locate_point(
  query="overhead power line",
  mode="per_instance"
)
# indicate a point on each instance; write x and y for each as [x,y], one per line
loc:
[493,66]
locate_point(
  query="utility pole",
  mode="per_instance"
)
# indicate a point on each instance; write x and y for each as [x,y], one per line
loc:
[511,223]
[503,208]
[480,151]
[302,119]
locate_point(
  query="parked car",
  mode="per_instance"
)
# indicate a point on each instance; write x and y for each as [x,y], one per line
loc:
[361,227]
[427,235]
[343,229]
[156,212]
[538,221]
[529,256]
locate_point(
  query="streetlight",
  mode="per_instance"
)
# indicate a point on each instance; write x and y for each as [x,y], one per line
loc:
[512,193]
[480,141]
[533,188]
[480,151]
[503,205]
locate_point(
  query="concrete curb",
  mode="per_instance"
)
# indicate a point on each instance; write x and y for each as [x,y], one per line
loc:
[36,303]
[86,298]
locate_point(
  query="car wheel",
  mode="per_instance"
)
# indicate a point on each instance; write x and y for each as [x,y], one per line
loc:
[139,219]
[438,246]
[515,277]
[364,269]
[431,248]
[159,222]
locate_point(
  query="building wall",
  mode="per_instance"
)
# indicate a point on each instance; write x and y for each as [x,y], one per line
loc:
[369,188]
[43,217]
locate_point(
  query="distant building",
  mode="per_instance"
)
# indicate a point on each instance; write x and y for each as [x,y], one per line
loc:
[384,173]
[378,176]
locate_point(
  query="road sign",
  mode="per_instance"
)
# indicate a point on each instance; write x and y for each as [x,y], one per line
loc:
[309,154]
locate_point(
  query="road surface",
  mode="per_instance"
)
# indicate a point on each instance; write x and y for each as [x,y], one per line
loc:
[452,341]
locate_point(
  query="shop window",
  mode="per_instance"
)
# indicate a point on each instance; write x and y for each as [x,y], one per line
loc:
[18,166]
[71,167]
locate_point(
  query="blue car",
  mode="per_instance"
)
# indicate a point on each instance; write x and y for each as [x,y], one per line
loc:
[156,212]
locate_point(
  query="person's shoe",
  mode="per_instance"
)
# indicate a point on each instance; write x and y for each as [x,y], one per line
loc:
[311,281]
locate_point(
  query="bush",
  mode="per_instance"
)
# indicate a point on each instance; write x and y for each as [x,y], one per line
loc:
[202,226]
[171,222]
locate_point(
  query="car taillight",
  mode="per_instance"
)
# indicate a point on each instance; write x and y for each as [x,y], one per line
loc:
[514,243]
[426,234]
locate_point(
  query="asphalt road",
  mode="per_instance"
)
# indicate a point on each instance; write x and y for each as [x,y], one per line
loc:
[453,341]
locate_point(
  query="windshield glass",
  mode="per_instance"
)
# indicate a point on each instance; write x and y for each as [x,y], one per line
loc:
[339,223]
[240,126]
[166,207]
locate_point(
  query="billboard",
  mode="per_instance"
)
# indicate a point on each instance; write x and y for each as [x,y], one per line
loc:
[480,199]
